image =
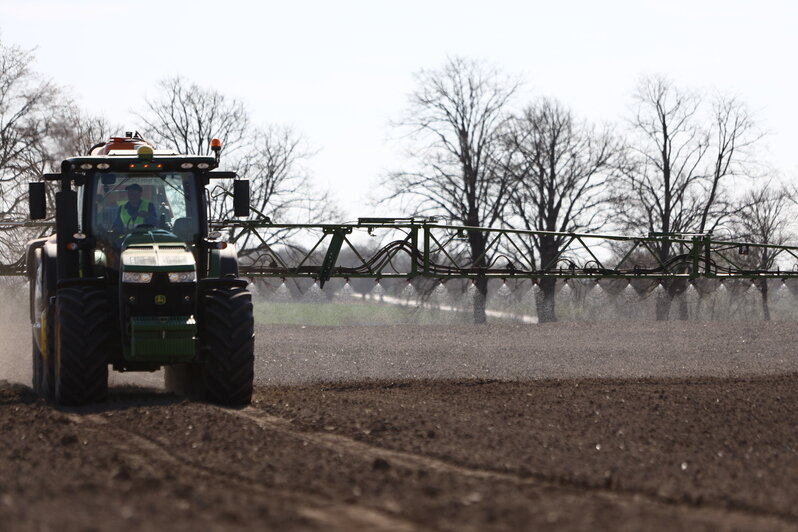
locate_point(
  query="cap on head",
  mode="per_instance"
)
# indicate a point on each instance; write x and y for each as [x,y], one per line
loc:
[134,187]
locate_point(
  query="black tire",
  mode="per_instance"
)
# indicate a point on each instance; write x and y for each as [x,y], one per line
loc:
[81,336]
[184,379]
[48,375]
[227,331]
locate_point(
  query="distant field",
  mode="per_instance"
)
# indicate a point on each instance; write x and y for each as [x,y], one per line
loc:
[354,313]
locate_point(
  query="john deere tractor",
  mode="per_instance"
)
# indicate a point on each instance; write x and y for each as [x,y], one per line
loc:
[134,279]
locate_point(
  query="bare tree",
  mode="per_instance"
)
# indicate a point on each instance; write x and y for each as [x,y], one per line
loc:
[454,118]
[187,117]
[764,218]
[281,188]
[561,167]
[27,102]
[76,132]
[680,161]
[733,131]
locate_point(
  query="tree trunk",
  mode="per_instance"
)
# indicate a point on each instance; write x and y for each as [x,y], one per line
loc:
[545,303]
[548,286]
[673,288]
[663,308]
[480,299]
[684,310]
[679,288]
[763,288]
[477,243]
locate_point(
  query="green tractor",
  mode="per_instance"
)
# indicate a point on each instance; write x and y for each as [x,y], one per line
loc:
[134,279]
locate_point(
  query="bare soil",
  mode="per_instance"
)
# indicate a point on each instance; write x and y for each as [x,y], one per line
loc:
[561,427]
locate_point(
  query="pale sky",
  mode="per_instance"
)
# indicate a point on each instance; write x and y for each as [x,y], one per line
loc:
[339,72]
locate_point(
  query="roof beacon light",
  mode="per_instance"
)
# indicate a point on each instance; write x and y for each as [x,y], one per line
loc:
[216,147]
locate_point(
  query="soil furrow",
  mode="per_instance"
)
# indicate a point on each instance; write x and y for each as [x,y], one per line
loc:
[142,451]
[756,518]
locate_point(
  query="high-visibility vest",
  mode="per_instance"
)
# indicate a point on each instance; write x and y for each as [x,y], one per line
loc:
[141,216]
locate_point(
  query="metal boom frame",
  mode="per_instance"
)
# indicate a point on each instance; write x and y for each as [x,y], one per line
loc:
[424,248]
[418,247]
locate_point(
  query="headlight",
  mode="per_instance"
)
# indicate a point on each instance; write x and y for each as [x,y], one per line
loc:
[182,277]
[136,277]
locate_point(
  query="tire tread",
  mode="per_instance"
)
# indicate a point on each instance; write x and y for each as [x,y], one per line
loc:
[228,326]
[81,365]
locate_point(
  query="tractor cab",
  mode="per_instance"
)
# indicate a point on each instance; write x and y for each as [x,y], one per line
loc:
[120,204]
[126,186]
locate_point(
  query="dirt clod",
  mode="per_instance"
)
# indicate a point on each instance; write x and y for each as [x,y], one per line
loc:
[69,439]
[380,464]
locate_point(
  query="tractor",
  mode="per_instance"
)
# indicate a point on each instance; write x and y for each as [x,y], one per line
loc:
[134,278]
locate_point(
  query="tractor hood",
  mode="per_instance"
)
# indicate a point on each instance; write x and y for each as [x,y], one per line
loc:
[156,251]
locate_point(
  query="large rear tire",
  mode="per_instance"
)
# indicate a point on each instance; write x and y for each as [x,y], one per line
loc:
[227,329]
[48,377]
[81,337]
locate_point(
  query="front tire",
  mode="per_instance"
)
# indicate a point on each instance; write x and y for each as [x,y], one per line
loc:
[227,327]
[81,336]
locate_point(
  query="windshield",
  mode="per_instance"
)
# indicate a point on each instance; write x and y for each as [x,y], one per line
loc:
[122,202]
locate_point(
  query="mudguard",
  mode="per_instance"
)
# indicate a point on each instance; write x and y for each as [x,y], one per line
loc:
[224,262]
[40,269]
[30,256]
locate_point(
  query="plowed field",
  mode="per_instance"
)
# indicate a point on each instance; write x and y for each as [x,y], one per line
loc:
[604,426]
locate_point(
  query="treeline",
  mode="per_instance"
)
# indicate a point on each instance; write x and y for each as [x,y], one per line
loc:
[681,162]
[478,155]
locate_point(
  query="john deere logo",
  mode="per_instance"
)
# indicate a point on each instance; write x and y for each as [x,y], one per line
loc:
[160,300]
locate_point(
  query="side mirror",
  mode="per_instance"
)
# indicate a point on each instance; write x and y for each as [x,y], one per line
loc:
[241,198]
[37,201]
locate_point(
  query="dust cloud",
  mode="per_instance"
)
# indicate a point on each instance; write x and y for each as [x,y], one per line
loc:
[15,342]
[15,332]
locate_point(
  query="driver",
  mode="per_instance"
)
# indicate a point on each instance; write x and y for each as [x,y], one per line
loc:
[135,211]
